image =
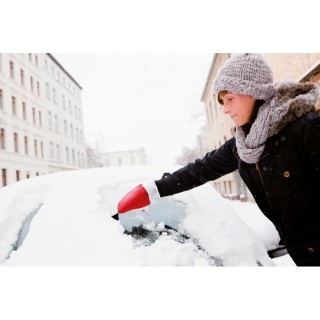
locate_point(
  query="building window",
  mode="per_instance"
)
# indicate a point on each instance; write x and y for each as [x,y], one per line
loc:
[79,114]
[70,108]
[1,99]
[71,131]
[77,134]
[2,139]
[17,175]
[30,57]
[65,128]
[73,157]
[64,102]
[41,149]
[36,60]
[46,64]
[11,70]
[35,148]
[16,142]
[54,97]
[38,88]
[209,113]
[213,116]
[56,123]
[24,111]
[26,147]
[208,118]
[22,77]
[40,119]
[48,90]
[31,84]
[49,120]
[34,115]
[28,175]
[4,177]
[51,149]
[215,108]
[14,106]
[67,154]
[58,152]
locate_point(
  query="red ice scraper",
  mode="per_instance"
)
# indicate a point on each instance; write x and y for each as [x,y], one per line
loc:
[135,199]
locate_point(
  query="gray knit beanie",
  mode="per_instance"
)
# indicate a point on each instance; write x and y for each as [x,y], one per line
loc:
[247,74]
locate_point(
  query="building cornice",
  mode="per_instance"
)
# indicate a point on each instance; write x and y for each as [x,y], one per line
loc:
[209,74]
[315,69]
[63,69]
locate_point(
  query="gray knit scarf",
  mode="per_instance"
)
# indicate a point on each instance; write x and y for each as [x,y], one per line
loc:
[270,114]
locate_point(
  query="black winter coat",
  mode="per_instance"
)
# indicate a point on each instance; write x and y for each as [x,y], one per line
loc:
[285,182]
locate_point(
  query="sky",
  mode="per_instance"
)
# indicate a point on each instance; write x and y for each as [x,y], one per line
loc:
[134,100]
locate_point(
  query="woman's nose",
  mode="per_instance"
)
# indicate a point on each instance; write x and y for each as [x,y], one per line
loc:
[226,109]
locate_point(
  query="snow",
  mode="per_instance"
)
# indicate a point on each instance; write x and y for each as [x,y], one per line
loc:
[73,225]
[252,216]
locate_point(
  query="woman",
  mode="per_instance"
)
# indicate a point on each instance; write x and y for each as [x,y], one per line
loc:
[276,149]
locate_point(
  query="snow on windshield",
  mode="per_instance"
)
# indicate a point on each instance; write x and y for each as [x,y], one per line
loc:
[73,226]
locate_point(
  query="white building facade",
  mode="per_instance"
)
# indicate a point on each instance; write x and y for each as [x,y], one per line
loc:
[65,133]
[123,158]
[33,140]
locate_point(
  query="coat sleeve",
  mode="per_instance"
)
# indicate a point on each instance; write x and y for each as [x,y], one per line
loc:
[214,165]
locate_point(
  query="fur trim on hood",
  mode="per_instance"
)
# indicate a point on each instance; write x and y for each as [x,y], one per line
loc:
[298,98]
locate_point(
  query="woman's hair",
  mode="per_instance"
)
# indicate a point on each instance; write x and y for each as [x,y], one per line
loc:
[221,94]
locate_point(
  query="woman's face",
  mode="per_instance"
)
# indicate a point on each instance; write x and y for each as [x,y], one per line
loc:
[239,107]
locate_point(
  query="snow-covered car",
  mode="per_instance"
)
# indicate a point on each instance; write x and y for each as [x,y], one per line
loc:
[64,219]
